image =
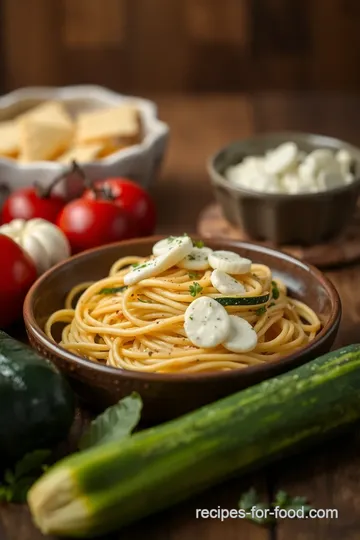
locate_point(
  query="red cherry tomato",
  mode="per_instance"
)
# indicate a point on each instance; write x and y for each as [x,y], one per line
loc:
[29,203]
[92,223]
[17,274]
[132,198]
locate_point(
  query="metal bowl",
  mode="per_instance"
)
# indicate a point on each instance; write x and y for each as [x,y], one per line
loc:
[304,218]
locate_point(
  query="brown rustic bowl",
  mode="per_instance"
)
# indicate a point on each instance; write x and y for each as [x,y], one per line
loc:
[166,396]
[304,218]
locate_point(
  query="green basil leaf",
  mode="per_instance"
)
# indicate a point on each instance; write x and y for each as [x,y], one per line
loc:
[248,499]
[17,493]
[31,462]
[5,494]
[115,423]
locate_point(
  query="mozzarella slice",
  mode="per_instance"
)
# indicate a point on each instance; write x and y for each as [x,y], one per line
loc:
[229,262]
[291,182]
[343,157]
[281,159]
[198,259]
[206,323]
[226,284]
[181,247]
[287,169]
[323,158]
[329,180]
[242,337]
[163,246]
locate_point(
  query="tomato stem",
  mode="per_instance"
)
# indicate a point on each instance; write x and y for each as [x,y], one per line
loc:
[45,192]
[103,193]
[100,193]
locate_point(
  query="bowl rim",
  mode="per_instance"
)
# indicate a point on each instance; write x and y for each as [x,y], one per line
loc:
[332,324]
[157,129]
[286,135]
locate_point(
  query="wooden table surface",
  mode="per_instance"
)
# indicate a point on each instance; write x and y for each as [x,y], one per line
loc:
[328,475]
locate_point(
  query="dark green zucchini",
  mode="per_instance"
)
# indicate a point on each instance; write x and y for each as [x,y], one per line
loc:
[36,403]
[243,300]
[106,487]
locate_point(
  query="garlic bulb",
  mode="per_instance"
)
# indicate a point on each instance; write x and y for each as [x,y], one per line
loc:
[44,242]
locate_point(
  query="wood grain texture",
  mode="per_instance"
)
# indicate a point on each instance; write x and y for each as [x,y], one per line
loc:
[31,42]
[343,249]
[329,474]
[93,24]
[281,28]
[199,126]
[157,46]
[143,46]
[334,60]
[329,478]
[208,21]
[2,59]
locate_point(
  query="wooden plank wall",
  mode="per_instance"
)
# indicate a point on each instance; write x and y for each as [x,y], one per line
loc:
[148,46]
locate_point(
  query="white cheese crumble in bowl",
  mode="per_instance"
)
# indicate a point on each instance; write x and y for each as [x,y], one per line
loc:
[287,188]
[286,169]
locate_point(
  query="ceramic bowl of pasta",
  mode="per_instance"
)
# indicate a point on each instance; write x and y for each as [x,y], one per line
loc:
[181,322]
[287,188]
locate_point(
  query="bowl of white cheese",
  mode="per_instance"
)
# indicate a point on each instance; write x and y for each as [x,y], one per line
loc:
[288,188]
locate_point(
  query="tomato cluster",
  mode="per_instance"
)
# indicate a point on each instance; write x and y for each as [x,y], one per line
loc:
[109,210]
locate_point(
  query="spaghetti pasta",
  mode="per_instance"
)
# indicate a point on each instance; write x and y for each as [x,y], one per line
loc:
[141,327]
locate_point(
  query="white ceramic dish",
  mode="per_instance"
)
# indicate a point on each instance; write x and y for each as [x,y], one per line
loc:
[139,162]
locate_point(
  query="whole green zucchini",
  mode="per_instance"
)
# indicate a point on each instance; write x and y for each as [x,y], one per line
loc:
[109,486]
[36,403]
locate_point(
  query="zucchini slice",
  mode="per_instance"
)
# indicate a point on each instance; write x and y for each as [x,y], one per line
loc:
[243,300]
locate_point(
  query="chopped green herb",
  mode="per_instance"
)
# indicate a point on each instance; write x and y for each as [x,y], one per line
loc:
[112,290]
[170,239]
[248,499]
[191,257]
[261,310]
[144,301]
[194,275]
[18,481]
[198,243]
[191,318]
[275,290]
[284,501]
[144,265]
[272,304]
[135,265]
[195,289]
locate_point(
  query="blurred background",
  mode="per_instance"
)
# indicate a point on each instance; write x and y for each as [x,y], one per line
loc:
[182,46]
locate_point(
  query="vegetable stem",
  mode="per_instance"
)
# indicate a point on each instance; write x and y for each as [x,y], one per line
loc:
[45,192]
